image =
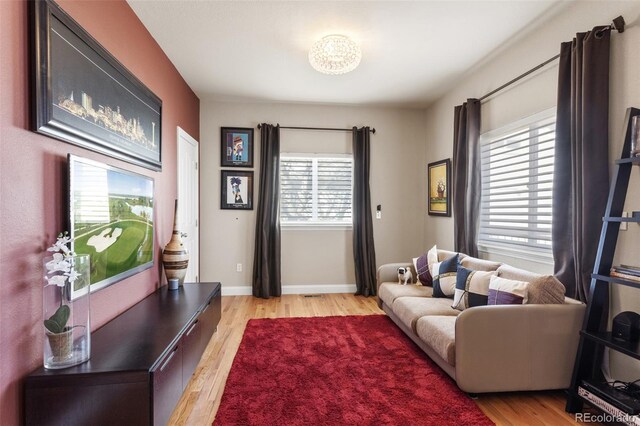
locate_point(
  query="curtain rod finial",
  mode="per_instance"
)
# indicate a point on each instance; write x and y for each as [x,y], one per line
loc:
[618,24]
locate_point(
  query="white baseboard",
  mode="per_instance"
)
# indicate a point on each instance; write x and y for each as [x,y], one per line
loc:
[295,289]
[236,291]
[318,288]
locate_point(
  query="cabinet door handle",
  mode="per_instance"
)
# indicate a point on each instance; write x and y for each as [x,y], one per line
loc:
[169,359]
[192,327]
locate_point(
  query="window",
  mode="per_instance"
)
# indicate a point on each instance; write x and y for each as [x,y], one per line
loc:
[316,189]
[517,183]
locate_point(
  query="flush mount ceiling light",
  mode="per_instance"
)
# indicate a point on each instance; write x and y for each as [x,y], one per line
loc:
[335,54]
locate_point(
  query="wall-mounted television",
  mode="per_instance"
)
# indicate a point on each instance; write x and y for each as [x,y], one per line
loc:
[111,220]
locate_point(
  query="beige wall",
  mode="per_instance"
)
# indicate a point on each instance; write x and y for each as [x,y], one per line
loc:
[314,257]
[537,93]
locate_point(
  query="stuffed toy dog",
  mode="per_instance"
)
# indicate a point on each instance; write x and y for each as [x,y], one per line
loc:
[405,276]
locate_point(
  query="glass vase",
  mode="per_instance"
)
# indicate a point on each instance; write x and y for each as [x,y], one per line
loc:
[66,311]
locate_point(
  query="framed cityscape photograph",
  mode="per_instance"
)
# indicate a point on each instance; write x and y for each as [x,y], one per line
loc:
[439,184]
[81,94]
[236,147]
[236,190]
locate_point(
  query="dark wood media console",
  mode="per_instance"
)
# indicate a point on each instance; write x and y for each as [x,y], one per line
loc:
[141,361]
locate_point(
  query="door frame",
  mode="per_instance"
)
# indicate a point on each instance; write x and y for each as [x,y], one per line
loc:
[182,135]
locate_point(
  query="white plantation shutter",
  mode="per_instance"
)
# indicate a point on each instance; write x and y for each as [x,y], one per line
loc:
[315,189]
[517,182]
[296,189]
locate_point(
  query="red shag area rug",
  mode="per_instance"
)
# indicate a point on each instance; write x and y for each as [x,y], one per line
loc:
[349,370]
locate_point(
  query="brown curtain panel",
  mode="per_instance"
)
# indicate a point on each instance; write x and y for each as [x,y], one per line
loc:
[266,261]
[581,165]
[364,251]
[466,177]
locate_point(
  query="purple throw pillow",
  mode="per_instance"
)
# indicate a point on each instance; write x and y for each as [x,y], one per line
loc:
[422,269]
[497,297]
[503,291]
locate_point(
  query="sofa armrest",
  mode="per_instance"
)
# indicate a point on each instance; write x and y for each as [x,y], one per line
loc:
[389,272]
[517,347]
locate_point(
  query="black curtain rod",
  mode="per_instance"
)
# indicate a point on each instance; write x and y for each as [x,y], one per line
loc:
[520,77]
[618,25]
[373,130]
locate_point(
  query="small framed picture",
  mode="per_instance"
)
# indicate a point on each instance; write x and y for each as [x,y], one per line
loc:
[439,185]
[237,190]
[236,147]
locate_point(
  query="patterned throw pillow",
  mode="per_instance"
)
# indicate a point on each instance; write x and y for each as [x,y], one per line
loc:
[507,292]
[422,269]
[545,290]
[422,265]
[472,288]
[444,277]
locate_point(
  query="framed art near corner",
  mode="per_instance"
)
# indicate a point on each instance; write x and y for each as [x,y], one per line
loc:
[81,94]
[236,147]
[439,184]
[236,190]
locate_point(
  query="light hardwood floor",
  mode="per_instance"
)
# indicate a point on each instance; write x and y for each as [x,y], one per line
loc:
[202,396]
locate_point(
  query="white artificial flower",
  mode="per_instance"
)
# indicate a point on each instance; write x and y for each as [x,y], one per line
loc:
[61,245]
[73,275]
[58,264]
[59,280]
[62,262]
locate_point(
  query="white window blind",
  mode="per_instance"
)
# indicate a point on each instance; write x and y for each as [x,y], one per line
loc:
[517,183]
[316,189]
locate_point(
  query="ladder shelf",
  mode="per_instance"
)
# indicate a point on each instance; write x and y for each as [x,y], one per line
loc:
[594,337]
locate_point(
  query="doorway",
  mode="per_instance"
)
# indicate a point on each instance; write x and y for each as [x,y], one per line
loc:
[188,201]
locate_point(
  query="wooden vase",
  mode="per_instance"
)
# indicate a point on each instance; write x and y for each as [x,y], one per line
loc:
[175,257]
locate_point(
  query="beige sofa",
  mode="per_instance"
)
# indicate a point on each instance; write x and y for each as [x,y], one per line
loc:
[487,348]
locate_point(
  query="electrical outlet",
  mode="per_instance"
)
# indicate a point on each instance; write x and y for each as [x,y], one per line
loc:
[624,225]
[378,215]
[238,267]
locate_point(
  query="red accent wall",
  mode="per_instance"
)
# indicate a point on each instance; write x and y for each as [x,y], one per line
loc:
[33,181]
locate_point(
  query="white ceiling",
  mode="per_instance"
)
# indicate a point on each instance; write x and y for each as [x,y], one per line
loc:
[257,50]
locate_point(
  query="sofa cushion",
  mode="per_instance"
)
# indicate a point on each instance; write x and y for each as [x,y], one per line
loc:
[444,277]
[446,254]
[476,264]
[439,332]
[511,273]
[389,292]
[507,292]
[410,309]
[472,288]
[546,289]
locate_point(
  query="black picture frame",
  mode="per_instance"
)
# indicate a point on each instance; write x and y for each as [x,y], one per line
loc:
[228,186]
[83,95]
[438,198]
[236,147]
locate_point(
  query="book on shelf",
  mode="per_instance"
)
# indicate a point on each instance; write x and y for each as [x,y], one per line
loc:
[627,270]
[629,277]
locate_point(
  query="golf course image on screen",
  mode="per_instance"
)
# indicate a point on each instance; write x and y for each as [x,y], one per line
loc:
[112,220]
